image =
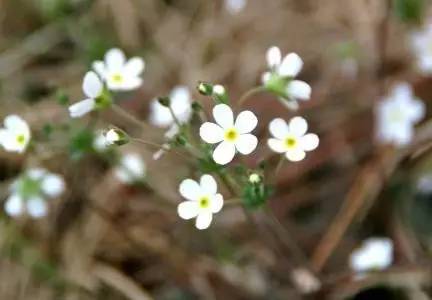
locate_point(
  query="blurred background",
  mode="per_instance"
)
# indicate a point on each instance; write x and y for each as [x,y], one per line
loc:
[106,240]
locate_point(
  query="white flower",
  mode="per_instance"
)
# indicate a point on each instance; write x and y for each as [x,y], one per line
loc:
[93,89]
[119,74]
[397,114]
[254,178]
[180,102]
[286,69]
[421,43]
[131,168]
[99,142]
[15,136]
[374,254]
[232,136]
[291,138]
[29,193]
[202,200]
[235,6]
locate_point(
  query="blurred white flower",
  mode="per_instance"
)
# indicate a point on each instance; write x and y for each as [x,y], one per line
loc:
[232,136]
[30,192]
[131,168]
[112,137]
[93,89]
[180,102]
[374,254]
[118,73]
[291,138]
[15,136]
[305,281]
[397,114]
[235,6]
[254,178]
[421,42]
[202,200]
[280,78]
[219,89]
[99,142]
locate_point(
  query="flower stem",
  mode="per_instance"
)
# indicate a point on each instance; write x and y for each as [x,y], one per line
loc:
[128,116]
[249,94]
[159,147]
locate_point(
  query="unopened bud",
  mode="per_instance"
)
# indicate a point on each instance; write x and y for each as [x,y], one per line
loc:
[164,101]
[205,88]
[116,136]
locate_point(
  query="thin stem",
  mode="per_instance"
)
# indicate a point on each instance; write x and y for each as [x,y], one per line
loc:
[159,147]
[176,120]
[279,166]
[249,94]
[128,116]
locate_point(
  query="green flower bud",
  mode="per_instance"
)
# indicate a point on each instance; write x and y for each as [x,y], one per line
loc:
[205,88]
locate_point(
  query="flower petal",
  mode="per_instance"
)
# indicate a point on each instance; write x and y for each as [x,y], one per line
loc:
[223,115]
[208,184]
[298,126]
[99,67]
[211,133]
[298,89]
[273,57]
[291,65]
[114,59]
[309,142]
[279,128]
[36,173]
[81,108]
[224,153]
[246,143]
[135,66]
[92,85]
[295,154]
[52,185]
[188,209]
[190,189]
[36,207]
[265,77]
[14,205]
[416,110]
[246,122]
[277,145]
[203,220]
[217,203]
[15,123]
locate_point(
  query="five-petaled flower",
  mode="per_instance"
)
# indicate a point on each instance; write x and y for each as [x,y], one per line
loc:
[375,254]
[131,169]
[291,138]
[397,114]
[232,136]
[118,73]
[202,200]
[30,192]
[93,88]
[15,135]
[280,78]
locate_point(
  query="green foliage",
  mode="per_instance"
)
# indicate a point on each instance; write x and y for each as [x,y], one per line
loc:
[409,11]
[81,143]
[255,195]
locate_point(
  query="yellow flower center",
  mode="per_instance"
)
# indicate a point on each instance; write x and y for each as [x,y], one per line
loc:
[204,202]
[231,135]
[117,78]
[20,139]
[396,116]
[291,142]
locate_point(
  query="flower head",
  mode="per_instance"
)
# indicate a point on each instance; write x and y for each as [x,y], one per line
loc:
[131,168]
[93,89]
[421,43]
[118,73]
[280,77]
[397,114]
[202,200]
[291,138]
[30,192]
[15,136]
[374,254]
[232,136]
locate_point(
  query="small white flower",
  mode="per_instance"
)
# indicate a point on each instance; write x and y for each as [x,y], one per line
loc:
[93,89]
[254,178]
[202,200]
[374,254]
[119,74]
[180,102]
[30,192]
[421,43]
[232,136]
[235,6]
[219,90]
[291,138]
[15,136]
[131,168]
[397,114]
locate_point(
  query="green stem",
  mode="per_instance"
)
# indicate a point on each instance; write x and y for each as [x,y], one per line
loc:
[249,94]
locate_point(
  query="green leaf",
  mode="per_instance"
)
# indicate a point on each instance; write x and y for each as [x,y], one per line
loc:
[409,11]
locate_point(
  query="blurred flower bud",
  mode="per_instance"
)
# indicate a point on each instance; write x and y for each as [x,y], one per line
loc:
[164,101]
[116,136]
[205,88]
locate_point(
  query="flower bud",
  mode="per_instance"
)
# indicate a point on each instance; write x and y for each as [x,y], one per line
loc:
[116,136]
[164,101]
[254,178]
[205,88]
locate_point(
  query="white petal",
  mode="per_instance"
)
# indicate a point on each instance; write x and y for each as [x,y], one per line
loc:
[298,89]
[114,59]
[36,207]
[14,205]
[279,128]
[291,65]
[298,126]
[309,142]
[295,154]
[134,66]
[203,220]
[216,203]
[224,153]
[265,77]
[53,185]
[211,133]
[246,122]
[235,6]
[277,145]
[15,123]
[246,143]
[92,85]
[99,67]
[36,173]
[129,83]
[273,57]
[9,142]
[188,209]
[416,110]
[81,108]
[291,104]
[223,115]
[208,184]
[190,189]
